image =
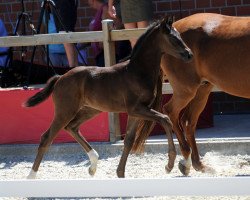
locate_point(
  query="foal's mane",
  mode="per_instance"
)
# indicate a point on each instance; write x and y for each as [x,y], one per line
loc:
[139,42]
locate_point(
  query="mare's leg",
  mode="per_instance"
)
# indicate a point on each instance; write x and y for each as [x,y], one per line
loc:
[73,128]
[173,109]
[128,143]
[185,82]
[152,115]
[189,121]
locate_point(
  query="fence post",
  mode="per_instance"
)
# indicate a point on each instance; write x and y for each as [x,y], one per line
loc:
[109,55]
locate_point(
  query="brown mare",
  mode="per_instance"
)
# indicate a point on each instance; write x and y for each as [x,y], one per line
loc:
[220,45]
[133,86]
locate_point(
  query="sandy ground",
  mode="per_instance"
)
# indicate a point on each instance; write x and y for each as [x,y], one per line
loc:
[147,165]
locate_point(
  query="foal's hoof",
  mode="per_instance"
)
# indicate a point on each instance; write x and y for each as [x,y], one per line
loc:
[120,174]
[93,156]
[32,175]
[184,170]
[168,169]
[92,170]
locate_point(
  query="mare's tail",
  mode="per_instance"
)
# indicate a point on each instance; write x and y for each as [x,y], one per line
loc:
[43,94]
[145,126]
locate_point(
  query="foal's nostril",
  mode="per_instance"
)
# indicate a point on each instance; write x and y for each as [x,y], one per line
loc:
[190,55]
[187,56]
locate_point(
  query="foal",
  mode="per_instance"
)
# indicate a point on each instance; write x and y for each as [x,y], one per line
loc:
[132,86]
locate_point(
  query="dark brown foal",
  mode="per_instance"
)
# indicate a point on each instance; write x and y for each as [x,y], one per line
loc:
[131,87]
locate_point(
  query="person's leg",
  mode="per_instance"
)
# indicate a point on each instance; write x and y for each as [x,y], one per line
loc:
[67,10]
[71,54]
[99,59]
[142,24]
[131,26]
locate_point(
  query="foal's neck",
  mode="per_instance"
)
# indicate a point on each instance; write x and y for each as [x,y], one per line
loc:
[148,55]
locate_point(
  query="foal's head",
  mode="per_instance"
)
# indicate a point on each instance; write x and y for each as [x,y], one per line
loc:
[173,43]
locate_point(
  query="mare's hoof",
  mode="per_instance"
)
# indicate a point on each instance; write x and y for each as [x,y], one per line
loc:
[204,169]
[199,167]
[210,170]
[92,170]
[184,170]
[168,169]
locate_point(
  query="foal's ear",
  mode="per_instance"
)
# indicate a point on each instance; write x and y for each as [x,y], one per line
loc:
[170,20]
[166,24]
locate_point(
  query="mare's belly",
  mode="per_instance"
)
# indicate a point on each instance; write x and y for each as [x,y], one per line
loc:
[236,86]
[231,75]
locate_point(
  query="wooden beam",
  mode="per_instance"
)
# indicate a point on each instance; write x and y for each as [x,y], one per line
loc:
[73,37]
[54,38]
[167,89]
[126,34]
[109,54]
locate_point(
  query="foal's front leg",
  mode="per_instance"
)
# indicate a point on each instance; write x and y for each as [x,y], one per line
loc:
[128,143]
[153,115]
[184,164]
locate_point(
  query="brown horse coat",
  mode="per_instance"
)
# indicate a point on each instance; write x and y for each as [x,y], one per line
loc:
[133,87]
[221,57]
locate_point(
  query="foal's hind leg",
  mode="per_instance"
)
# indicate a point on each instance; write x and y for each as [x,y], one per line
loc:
[73,128]
[63,115]
[46,140]
[128,143]
[189,121]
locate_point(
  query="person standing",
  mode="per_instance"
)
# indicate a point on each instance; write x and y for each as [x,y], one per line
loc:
[101,9]
[134,14]
[3,50]
[67,9]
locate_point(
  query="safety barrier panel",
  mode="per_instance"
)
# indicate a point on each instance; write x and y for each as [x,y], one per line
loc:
[185,186]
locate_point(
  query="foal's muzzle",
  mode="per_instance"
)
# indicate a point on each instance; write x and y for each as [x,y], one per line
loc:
[187,56]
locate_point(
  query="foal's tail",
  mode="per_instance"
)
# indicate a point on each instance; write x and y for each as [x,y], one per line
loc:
[43,94]
[145,126]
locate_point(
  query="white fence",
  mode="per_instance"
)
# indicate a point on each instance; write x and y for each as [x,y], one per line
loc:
[185,186]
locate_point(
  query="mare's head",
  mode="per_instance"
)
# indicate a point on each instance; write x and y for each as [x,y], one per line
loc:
[172,43]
